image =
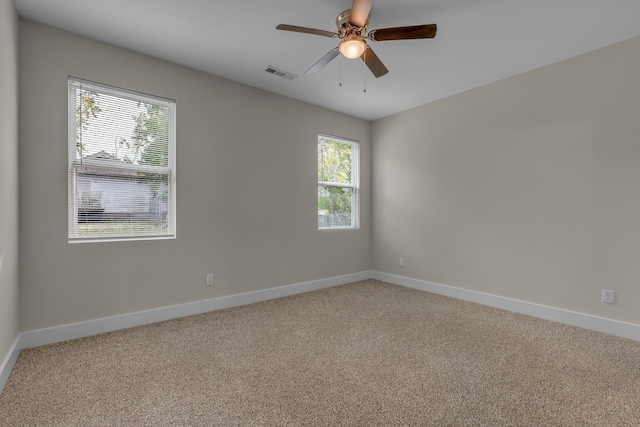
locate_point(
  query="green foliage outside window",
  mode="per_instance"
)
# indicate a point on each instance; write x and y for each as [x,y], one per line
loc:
[86,108]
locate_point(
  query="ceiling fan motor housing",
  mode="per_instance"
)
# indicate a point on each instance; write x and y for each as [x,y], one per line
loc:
[345,28]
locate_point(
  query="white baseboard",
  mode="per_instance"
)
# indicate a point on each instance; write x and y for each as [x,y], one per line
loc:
[61,333]
[586,321]
[9,361]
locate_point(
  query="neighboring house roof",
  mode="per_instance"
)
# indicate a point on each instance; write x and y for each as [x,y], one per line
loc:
[109,161]
[101,155]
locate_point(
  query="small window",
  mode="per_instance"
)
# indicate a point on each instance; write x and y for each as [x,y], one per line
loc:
[121,164]
[337,182]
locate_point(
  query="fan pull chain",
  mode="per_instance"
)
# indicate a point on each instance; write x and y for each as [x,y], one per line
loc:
[340,68]
[364,75]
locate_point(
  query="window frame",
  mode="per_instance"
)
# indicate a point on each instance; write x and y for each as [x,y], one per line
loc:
[355,179]
[73,85]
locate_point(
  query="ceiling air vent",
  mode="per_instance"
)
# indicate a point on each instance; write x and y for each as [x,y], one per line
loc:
[277,72]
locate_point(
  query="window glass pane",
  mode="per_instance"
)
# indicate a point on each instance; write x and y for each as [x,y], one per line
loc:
[121,204]
[117,129]
[334,161]
[335,205]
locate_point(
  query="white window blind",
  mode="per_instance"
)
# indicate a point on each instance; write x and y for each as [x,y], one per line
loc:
[121,164]
[337,182]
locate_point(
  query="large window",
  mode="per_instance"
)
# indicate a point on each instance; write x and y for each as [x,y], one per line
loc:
[337,182]
[121,164]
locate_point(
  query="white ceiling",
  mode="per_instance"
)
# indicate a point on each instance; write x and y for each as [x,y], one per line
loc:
[478,41]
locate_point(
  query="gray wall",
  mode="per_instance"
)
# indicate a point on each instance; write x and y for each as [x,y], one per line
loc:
[527,188]
[246,190]
[9,317]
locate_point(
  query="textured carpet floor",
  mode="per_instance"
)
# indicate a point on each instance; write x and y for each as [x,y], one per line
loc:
[366,353]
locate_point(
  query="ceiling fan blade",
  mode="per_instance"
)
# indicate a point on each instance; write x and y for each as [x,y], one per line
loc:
[404,33]
[330,56]
[360,12]
[306,30]
[372,61]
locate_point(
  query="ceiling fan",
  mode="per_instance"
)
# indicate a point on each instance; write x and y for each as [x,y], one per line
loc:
[352,29]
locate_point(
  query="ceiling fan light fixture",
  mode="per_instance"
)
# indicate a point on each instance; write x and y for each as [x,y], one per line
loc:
[352,48]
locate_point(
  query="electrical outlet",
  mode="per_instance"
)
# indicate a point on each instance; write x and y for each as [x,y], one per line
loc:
[209,279]
[608,296]
[401,262]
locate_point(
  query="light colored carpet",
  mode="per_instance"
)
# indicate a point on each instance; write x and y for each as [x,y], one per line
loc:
[366,353]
